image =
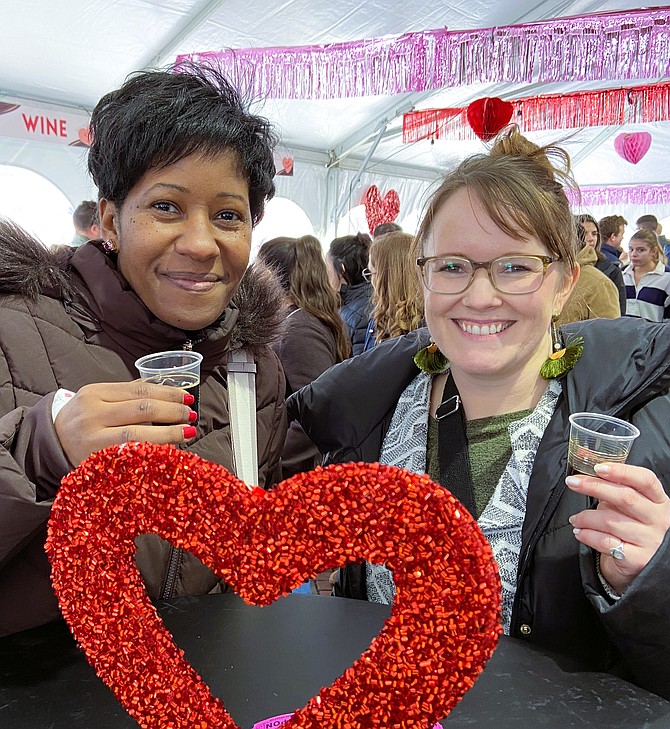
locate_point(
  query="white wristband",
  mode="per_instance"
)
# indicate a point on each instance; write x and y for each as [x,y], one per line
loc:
[60,398]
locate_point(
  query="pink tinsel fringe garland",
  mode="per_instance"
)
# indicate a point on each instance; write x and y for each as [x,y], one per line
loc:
[625,45]
[634,105]
[642,195]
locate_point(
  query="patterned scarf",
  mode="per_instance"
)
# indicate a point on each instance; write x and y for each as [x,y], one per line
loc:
[501,522]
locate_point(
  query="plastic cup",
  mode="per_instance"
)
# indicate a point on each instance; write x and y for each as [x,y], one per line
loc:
[596,438]
[175,369]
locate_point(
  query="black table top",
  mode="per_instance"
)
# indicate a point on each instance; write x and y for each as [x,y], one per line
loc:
[268,661]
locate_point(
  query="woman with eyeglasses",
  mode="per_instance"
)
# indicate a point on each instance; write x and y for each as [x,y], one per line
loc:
[480,402]
[347,260]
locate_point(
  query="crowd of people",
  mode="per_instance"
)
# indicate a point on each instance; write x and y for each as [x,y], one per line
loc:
[424,351]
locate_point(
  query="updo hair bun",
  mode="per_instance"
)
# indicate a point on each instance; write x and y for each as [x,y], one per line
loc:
[554,160]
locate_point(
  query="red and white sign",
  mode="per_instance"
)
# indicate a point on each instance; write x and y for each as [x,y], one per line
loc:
[43,124]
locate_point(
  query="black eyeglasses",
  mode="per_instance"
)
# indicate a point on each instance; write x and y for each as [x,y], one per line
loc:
[508,274]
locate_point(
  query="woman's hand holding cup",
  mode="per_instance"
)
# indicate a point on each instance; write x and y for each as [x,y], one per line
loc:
[102,414]
[632,514]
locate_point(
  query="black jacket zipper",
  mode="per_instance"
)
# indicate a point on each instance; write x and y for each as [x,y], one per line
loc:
[175,553]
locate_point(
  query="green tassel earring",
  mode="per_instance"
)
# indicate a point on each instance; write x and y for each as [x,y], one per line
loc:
[430,359]
[563,358]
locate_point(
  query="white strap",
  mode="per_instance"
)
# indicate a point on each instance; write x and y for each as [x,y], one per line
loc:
[242,407]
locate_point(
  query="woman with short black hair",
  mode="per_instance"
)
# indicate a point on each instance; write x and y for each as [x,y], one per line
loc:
[183,172]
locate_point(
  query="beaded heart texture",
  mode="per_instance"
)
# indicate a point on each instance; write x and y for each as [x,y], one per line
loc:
[444,623]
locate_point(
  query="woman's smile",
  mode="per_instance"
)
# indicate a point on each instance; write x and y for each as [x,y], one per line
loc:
[195,282]
[483,329]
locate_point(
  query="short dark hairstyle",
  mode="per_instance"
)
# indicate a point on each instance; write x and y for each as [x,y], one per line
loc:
[609,225]
[160,117]
[384,228]
[85,215]
[647,222]
[349,255]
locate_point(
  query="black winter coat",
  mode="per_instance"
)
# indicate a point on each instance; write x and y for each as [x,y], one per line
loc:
[355,312]
[614,274]
[559,603]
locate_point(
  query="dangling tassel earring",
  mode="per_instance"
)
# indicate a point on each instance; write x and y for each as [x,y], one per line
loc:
[430,359]
[108,246]
[563,358]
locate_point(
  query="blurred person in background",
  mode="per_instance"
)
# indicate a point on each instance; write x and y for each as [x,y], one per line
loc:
[347,257]
[650,222]
[590,239]
[397,303]
[646,278]
[86,224]
[313,338]
[611,229]
[384,228]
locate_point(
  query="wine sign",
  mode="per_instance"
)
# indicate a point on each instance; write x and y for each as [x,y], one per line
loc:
[445,620]
[21,121]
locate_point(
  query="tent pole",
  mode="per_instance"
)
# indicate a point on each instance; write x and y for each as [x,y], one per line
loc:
[345,198]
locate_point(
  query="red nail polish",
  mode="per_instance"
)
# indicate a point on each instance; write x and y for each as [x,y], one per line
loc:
[192,416]
[189,431]
[188,399]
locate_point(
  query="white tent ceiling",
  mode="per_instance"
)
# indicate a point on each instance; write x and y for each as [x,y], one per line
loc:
[70,52]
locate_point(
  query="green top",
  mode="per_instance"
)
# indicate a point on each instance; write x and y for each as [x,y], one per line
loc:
[489,448]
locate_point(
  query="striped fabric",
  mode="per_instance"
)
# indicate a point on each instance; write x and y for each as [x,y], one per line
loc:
[650,299]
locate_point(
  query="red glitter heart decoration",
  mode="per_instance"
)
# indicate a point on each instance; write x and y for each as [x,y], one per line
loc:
[378,210]
[488,116]
[632,147]
[443,627]
[287,164]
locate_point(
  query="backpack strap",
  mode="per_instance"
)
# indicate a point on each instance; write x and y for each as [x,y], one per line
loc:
[242,409]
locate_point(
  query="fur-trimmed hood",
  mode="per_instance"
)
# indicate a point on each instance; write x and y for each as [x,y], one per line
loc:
[29,269]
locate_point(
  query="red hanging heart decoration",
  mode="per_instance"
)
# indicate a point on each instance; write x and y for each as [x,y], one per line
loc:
[632,147]
[378,210]
[488,116]
[444,623]
[287,165]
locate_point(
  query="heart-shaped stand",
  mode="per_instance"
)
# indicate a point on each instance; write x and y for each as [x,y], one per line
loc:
[443,627]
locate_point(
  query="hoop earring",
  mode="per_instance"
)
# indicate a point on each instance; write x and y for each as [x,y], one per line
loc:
[563,357]
[109,246]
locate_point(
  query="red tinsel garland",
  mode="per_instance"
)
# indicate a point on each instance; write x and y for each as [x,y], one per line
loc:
[444,623]
[633,105]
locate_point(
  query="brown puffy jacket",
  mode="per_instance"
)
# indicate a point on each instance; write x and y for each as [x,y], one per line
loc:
[70,320]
